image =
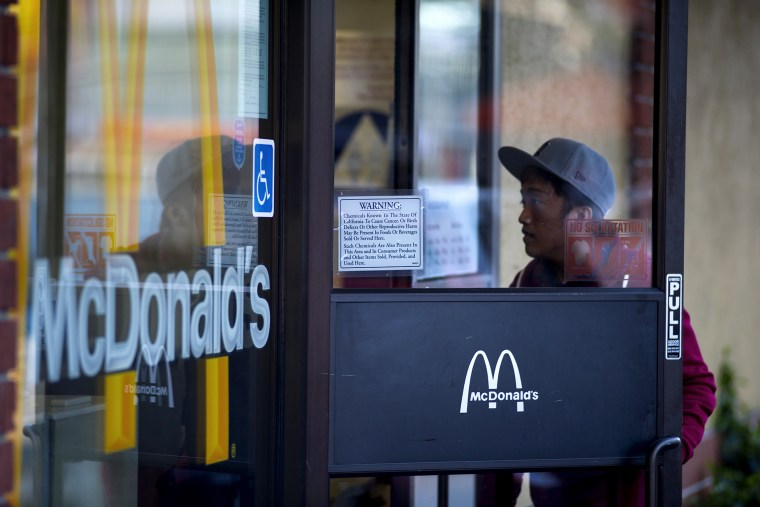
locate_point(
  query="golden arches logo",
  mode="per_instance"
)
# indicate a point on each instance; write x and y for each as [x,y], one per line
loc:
[122,121]
[493,382]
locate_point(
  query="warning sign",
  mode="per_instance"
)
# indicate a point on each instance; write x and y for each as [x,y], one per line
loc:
[88,240]
[606,250]
[380,233]
[232,217]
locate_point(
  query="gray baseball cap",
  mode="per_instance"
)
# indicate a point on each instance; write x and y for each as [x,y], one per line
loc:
[186,161]
[571,161]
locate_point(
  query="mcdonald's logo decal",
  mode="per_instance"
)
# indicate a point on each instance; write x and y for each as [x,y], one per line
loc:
[493,395]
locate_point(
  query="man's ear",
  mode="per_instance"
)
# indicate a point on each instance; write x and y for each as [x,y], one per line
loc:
[580,213]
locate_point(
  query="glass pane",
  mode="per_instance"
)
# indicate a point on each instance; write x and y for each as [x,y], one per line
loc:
[504,127]
[148,355]
[583,71]
[446,113]
[467,82]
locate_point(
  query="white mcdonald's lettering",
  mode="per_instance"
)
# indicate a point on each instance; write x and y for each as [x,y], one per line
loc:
[204,330]
[153,375]
[493,379]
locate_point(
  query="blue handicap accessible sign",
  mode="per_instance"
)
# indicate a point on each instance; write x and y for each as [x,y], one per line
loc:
[263,178]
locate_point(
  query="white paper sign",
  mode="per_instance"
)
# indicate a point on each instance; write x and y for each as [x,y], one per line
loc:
[253,58]
[451,231]
[240,227]
[380,233]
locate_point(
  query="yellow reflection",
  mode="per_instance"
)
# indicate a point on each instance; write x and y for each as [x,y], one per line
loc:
[28,17]
[120,430]
[215,409]
[209,111]
[122,117]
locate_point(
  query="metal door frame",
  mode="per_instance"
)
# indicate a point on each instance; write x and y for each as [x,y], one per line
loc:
[304,57]
[308,37]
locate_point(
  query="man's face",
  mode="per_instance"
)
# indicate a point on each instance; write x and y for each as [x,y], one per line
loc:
[543,221]
[184,231]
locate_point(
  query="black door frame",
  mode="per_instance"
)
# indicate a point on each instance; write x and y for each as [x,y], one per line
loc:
[305,61]
[670,139]
[307,38]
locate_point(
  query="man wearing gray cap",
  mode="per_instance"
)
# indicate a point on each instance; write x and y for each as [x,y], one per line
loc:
[564,180]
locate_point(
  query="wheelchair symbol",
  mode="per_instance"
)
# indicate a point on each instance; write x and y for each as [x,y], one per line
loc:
[263,178]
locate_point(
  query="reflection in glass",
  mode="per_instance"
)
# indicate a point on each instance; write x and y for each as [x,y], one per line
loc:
[446,111]
[147,360]
[515,75]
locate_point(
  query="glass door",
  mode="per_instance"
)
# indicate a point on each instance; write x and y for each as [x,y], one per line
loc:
[497,171]
[153,284]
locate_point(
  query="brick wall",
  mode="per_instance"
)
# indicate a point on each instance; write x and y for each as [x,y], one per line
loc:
[642,108]
[8,239]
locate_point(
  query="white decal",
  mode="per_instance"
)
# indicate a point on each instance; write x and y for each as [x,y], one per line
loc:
[674,313]
[380,233]
[492,396]
[154,392]
[60,322]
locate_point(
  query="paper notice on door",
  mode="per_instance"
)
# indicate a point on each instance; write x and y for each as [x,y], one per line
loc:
[253,58]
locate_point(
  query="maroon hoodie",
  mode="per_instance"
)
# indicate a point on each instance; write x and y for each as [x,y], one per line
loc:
[622,487]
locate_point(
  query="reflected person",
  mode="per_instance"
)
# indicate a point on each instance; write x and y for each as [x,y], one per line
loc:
[170,436]
[179,241]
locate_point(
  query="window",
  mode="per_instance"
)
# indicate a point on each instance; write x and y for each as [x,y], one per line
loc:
[427,95]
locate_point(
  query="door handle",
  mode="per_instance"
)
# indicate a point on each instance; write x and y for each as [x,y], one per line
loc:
[654,454]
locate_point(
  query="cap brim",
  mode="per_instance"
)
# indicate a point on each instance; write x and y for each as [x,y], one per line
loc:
[516,161]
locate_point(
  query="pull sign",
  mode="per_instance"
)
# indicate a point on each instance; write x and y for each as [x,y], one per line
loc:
[674,314]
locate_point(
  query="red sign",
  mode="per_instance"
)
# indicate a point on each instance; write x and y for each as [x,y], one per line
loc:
[611,252]
[89,238]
